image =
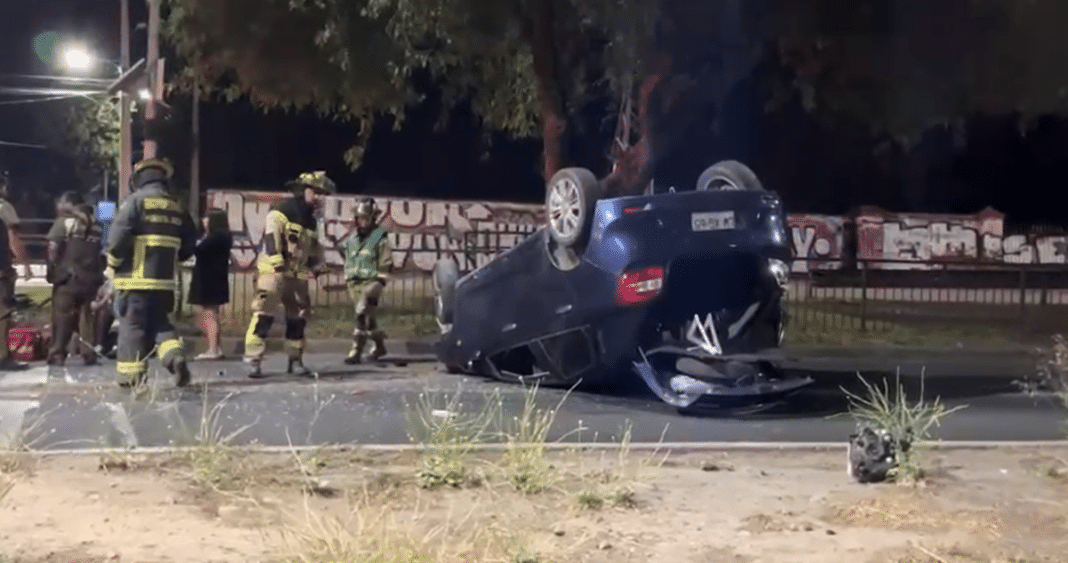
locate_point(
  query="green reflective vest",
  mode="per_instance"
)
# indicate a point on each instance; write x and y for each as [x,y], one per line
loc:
[361,255]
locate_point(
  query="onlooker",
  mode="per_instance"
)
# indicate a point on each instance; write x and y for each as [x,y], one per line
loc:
[11,219]
[10,246]
[209,287]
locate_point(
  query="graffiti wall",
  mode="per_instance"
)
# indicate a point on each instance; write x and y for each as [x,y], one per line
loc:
[422,231]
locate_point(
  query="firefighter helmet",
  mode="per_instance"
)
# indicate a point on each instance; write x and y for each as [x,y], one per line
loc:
[366,208]
[317,181]
[152,170]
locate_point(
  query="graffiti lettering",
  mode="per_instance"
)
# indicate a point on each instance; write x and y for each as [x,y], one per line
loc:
[423,231]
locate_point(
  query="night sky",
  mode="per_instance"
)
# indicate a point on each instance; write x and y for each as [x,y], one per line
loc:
[814,168]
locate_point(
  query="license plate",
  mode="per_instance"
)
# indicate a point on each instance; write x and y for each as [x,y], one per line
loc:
[712,221]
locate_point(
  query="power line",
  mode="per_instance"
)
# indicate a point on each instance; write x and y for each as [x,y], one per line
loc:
[47,91]
[39,100]
[24,145]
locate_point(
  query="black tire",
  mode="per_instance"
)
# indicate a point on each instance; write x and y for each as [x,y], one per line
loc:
[570,198]
[729,175]
[445,275]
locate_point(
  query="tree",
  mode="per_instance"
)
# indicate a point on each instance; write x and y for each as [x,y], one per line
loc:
[523,65]
[93,131]
[528,67]
[85,130]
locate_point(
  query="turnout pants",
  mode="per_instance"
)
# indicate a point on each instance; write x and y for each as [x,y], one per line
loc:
[144,321]
[70,313]
[365,295]
[274,291]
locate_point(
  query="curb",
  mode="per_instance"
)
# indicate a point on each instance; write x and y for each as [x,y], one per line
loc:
[675,447]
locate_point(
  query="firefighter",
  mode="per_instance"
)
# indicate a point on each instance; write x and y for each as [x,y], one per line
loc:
[76,270]
[368,262]
[290,255]
[149,236]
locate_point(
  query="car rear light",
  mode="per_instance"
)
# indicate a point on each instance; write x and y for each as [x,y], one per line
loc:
[639,286]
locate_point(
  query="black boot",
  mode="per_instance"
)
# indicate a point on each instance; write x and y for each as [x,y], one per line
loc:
[181,369]
[255,372]
[296,365]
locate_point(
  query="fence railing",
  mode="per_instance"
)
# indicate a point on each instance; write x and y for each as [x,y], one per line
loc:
[931,303]
[872,302]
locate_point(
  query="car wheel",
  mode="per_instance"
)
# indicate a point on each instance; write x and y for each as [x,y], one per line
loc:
[445,274]
[569,201]
[729,175]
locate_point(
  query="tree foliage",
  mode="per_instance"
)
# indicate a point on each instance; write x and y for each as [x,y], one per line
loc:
[529,67]
[93,131]
[357,58]
[86,130]
[904,66]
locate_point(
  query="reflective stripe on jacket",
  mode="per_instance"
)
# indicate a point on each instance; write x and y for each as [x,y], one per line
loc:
[290,240]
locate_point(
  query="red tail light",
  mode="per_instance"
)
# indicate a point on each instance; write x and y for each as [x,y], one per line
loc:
[639,286]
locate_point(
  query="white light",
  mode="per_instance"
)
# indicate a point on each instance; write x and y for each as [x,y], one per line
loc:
[78,59]
[144,94]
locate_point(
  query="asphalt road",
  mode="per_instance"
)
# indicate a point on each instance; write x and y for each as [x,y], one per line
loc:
[81,408]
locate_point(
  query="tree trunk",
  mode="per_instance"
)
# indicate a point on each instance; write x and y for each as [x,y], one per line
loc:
[548,87]
[634,168]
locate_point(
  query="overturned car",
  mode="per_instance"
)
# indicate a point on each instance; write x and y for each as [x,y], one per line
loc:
[685,289]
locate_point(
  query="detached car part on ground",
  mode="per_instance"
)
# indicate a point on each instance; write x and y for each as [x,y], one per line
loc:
[685,289]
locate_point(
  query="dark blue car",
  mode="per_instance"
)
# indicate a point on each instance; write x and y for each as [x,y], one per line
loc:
[685,289]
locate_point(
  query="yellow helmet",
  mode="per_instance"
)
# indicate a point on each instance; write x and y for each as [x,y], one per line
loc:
[317,180]
[152,170]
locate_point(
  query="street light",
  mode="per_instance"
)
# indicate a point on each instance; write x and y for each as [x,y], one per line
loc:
[77,59]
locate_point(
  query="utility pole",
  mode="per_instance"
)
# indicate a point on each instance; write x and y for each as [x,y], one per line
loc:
[194,160]
[152,67]
[125,140]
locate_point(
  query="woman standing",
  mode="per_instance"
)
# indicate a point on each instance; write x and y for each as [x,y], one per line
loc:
[210,285]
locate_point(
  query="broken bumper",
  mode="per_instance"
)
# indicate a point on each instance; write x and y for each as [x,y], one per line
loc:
[691,377]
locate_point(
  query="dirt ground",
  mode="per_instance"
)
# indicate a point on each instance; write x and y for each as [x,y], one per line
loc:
[977,506]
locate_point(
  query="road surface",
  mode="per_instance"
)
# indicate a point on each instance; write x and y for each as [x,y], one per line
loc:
[79,407]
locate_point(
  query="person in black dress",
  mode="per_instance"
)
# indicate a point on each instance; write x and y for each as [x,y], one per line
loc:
[209,287]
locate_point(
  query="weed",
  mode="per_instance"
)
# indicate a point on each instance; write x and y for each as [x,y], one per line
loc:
[214,461]
[906,423]
[616,483]
[371,533]
[524,555]
[525,463]
[447,435]
[15,455]
[1053,369]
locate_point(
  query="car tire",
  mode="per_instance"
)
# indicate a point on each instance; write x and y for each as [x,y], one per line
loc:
[570,198]
[729,175]
[445,275]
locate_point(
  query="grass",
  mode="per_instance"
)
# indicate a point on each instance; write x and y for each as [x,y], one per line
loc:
[447,432]
[907,423]
[524,462]
[836,324]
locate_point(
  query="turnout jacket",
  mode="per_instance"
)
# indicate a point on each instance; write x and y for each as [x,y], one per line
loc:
[147,239]
[290,240]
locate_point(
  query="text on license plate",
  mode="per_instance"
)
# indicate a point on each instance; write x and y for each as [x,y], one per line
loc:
[712,220]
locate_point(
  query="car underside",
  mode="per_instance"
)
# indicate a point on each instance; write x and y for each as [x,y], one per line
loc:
[686,290]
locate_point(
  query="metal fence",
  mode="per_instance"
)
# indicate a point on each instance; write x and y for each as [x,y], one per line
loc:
[880,302]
